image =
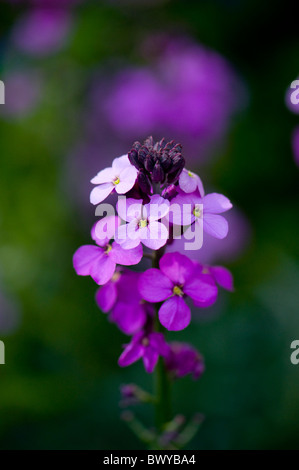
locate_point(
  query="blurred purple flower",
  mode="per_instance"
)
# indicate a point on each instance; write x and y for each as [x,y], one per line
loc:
[121,296]
[177,278]
[292,96]
[183,359]
[148,346]
[22,93]
[42,31]
[295,143]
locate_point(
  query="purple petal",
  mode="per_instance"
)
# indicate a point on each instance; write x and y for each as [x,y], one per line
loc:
[127,180]
[215,203]
[180,211]
[154,286]
[125,257]
[176,267]
[102,271]
[106,296]
[128,235]
[85,257]
[223,277]
[150,359]
[132,353]
[201,288]
[157,208]
[157,341]
[105,176]
[129,317]
[154,236]
[189,182]
[105,229]
[99,193]
[120,163]
[215,225]
[175,314]
[129,209]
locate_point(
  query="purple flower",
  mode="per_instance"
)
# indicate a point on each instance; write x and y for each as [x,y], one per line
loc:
[100,261]
[189,182]
[148,346]
[42,30]
[121,296]
[177,278]
[188,209]
[183,359]
[295,142]
[120,177]
[143,225]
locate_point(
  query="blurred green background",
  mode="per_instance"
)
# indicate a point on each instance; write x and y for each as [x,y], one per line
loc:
[59,388]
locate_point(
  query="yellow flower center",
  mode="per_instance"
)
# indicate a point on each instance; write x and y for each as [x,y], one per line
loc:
[108,249]
[197,211]
[191,174]
[116,181]
[142,223]
[178,291]
[116,276]
[145,342]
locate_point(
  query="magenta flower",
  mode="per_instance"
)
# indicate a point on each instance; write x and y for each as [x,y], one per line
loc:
[143,223]
[189,182]
[146,346]
[120,177]
[183,359]
[121,296]
[188,209]
[177,278]
[100,261]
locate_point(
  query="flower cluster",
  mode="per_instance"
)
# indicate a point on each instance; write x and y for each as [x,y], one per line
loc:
[159,201]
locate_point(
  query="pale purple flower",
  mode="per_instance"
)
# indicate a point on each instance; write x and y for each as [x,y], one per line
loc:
[121,296]
[120,177]
[295,142]
[42,31]
[143,222]
[187,209]
[189,182]
[177,278]
[183,359]
[148,346]
[99,261]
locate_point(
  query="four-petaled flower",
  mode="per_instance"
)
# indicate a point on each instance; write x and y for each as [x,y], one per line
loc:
[177,278]
[148,346]
[99,261]
[120,177]
[143,223]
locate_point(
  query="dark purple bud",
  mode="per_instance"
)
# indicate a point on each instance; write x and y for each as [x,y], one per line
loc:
[166,162]
[133,157]
[158,175]
[150,161]
[149,142]
[142,155]
[144,182]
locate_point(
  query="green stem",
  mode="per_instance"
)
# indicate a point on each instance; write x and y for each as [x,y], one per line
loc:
[162,384]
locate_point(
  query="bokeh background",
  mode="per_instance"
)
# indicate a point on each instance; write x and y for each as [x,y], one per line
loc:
[84,79]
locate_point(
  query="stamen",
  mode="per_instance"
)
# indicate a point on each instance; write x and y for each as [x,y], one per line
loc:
[197,211]
[178,291]
[145,342]
[116,181]
[108,249]
[143,223]
[191,174]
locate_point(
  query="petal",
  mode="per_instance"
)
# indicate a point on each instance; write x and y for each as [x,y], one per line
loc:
[99,193]
[215,225]
[157,208]
[105,176]
[201,288]
[223,277]
[105,229]
[130,317]
[102,271]
[175,314]
[85,257]
[132,353]
[154,236]
[150,359]
[154,286]
[157,341]
[181,210]
[106,296]
[127,179]
[215,203]
[124,256]
[176,267]
[120,163]
[127,236]
[189,182]
[129,209]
